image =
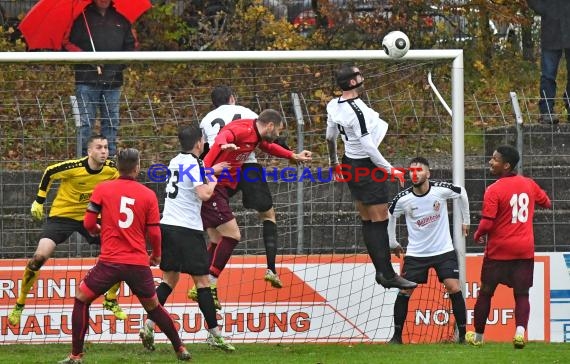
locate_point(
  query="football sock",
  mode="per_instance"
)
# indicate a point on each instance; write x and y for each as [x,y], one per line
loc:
[222,255]
[30,277]
[162,292]
[79,325]
[482,308]
[375,234]
[459,311]
[206,304]
[478,337]
[113,292]
[270,241]
[211,249]
[520,331]
[522,309]
[166,325]
[400,313]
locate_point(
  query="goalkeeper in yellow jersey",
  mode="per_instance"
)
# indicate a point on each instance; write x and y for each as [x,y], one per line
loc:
[78,179]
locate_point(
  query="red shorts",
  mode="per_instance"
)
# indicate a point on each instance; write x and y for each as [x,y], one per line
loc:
[216,211]
[104,275]
[517,273]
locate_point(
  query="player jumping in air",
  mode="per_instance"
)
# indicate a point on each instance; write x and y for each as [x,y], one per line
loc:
[233,145]
[362,131]
[252,184]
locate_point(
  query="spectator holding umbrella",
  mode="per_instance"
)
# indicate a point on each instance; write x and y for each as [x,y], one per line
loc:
[98,87]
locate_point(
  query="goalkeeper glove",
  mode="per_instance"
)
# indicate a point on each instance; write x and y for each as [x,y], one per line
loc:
[37,210]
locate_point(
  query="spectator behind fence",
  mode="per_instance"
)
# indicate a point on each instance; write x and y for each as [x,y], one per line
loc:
[100,28]
[554,40]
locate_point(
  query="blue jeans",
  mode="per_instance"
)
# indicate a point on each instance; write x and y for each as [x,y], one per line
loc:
[89,99]
[549,68]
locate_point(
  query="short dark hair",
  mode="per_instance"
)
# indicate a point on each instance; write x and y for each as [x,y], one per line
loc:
[509,155]
[188,136]
[127,160]
[270,116]
[344,74]
[419,160]
[95,137]
[221,95]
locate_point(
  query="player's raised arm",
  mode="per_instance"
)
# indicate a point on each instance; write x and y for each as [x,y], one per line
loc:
[225,137]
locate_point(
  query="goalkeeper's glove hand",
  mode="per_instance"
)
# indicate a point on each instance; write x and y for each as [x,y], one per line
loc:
[37,210]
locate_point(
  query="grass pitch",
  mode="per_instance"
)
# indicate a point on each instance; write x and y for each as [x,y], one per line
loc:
[297,354]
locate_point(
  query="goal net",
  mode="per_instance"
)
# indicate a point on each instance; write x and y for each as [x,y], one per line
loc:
[329,292]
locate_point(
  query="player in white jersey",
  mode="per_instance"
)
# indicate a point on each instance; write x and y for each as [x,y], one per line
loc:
[362,131]
[253,185]
[429,242]
[183,245]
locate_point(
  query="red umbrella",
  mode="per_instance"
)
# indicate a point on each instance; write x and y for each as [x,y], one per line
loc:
[44,26]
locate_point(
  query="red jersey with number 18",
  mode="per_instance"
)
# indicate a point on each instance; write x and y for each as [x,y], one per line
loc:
[509,203]
[127,209]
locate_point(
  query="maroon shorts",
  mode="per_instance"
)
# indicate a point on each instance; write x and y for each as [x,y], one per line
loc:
[104,275]
[216,211]
[517,273]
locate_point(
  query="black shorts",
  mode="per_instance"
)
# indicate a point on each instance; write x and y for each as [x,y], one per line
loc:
[183,250]
[254,188]
[59,229]
[416,269]
[517,273]
[104,275]
[370,190]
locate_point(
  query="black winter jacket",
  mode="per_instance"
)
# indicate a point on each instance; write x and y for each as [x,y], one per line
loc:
[111,33]
[555,22]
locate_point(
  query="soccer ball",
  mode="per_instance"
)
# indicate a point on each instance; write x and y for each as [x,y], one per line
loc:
[396,44]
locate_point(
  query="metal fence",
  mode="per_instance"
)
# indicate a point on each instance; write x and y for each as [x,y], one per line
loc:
[37,129]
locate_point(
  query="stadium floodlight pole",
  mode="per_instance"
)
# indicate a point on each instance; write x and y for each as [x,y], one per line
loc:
[458,152]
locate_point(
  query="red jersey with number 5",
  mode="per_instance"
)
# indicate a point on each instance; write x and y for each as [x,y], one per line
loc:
[127,208]
[509,203]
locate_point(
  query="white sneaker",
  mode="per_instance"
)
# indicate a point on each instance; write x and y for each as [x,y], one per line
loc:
[219,342]
[273,279]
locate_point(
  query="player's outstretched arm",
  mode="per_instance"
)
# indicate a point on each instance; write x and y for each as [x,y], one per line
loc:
[206,190]
[51,173]
[302,157]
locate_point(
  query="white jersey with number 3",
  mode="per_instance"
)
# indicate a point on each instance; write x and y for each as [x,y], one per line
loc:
[182,205]
[222,116]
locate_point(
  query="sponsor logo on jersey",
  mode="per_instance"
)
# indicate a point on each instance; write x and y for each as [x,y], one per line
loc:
[84,197]
[427,220]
